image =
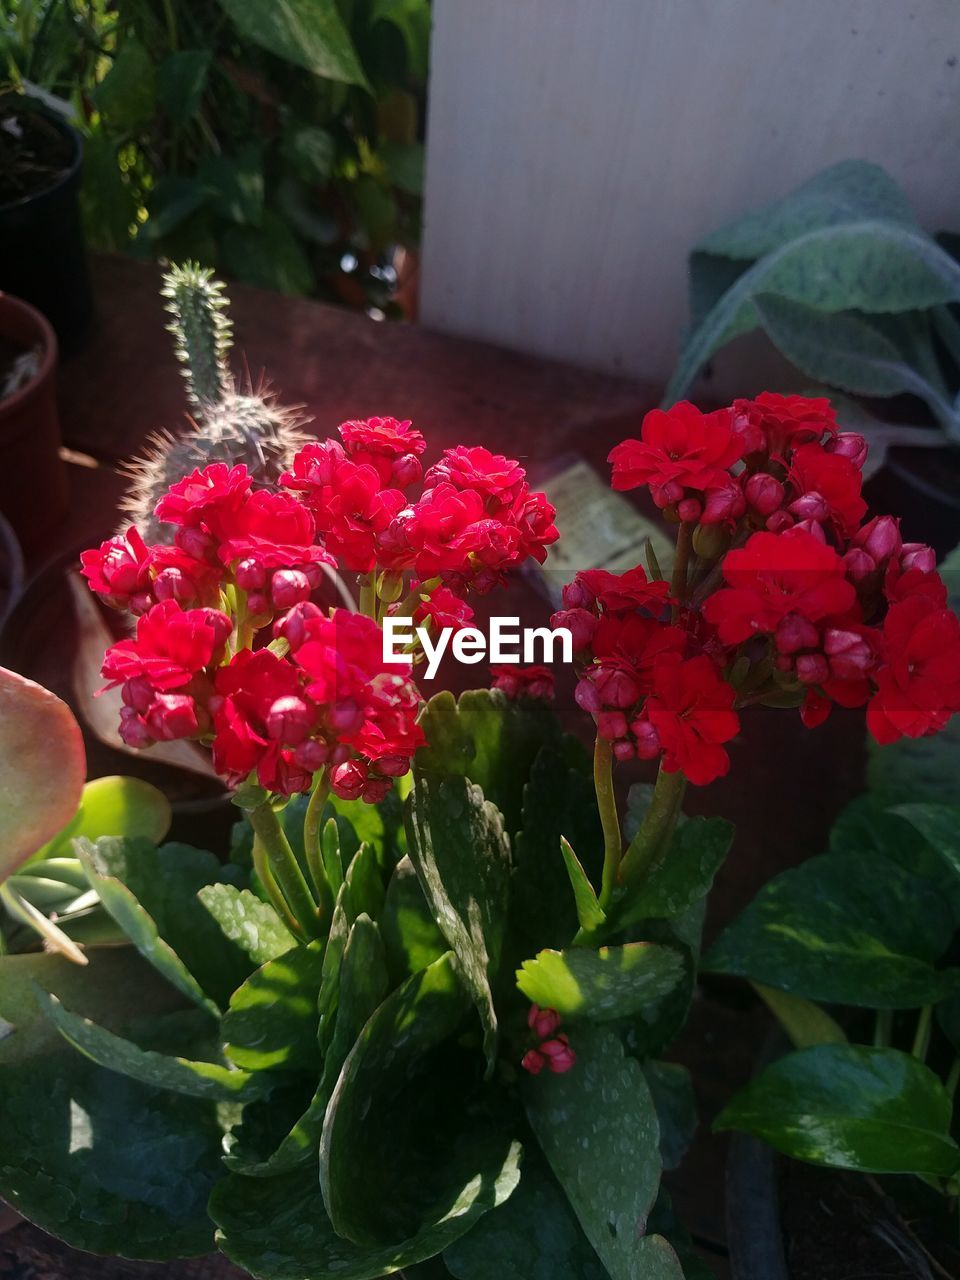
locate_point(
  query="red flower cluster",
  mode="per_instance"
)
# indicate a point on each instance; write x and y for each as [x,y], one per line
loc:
[232,650]
[523,682]
[807,604]
[553,1051]
[641,678]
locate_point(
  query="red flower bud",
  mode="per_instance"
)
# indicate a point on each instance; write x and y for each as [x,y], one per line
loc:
[579,623]
[849,653]
[880,538]
[346,716]
[577,595]
[196,543]
[587,698]
[624,750]
[349,779]
[138,693]
[294,625]
[250,574]
[393,766]
[779,522]
[560,1057]
[133,730]
[611,724]
[849,444]
[689,510]
[646,737]
[290,720]
[312,754]
[406,471]
[533,1062]
[289,587]
[916,555]
[617,688]
[859,564]
[810,506]
[812,668]
[764,493]
[723,504]
[794,633]
[172,584]
[542,1022]
[172,715]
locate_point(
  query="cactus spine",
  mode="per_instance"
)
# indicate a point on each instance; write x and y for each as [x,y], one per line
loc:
[229,424]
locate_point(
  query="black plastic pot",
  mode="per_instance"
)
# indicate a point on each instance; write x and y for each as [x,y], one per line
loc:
[43,257]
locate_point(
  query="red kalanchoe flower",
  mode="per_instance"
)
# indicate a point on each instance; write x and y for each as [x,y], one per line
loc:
[441,608]
[392,448]
[558,1054]
[828,485]
[498,480]
[206,499]
[449,533]
[919,687]
[616,591]
[774,576]
[523,682]
[172,646]
[272,531]
[773,425]
[119,571]
[261,713]
[535,518]
[691,709]
[679,450]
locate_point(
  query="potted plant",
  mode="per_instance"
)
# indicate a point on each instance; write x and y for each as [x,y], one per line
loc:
[42,251]
[421,1011]
[858,297]
[855,953]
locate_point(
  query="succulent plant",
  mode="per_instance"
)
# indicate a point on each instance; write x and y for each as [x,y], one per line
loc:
[229,423]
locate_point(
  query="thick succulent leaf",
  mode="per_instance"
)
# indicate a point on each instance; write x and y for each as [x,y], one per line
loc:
[42,766]
[834,930]
[114,806]
[272,1018]
[387,1169]
[604,985]
[410,935]
[534,1236]
[671,1089]
[489,739]
[940,825]
[851,1107]
[679,880]
[273,1134]
[211,1080]
[278,1229]
[247,923]
[308,33]
[558,803]
[598,1128]
[462,858]
[590,915]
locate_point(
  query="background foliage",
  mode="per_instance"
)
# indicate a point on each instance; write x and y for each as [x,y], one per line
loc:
[279,141]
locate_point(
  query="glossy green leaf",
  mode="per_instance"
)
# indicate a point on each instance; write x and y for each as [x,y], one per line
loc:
[604,985]
[277,1228]
[181,82]
[410,934]
[42,766]
[127,94]
[308,33]
[209,1080]
[804,1022]
[597,1126]
[311,152]
[836,931]
[534,1236]
[272,1019]
[940,825]
[246,922]
[387,1168]
[851,1107]
[114,806]
[462,859]
[675,1103]
[680,879]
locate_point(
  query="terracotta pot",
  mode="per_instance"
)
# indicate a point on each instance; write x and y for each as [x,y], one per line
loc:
[33,479]
[43,256]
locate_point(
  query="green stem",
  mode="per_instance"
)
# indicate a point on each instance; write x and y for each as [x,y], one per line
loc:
[921,1040]
[311,843]
[883,1029]
[678,583]
[953,1079]
[607,804]
[651,841]
[368,595]
[285,868]
[268,880]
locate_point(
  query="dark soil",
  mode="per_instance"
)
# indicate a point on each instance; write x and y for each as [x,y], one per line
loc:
[34,153]
[840,1226]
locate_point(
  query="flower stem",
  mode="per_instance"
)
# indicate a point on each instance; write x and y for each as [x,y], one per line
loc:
[368,594]
[953,1079]
[284,867]
[921,1039]
[883,1029]
[651,841]
[678,583]
[311,843]
[607,804]
[262,867]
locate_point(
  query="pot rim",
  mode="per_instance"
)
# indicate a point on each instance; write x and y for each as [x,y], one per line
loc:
[9,304]
[66,129]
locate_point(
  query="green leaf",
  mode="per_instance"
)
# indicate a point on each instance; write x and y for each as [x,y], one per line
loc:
[671,1089]
[388,1170]
[410,934]
[100,860]
[491,740]
[277,1228]
[604,985]
[940,825]
[680,879]
[836,931]
[113,806]
[405,165]
[269,256]
[233,184]
[850,1107]
[181,83]
[197,1079]
[534,1236]
[589,912]
[310,152]
[597,1126]
[462,858]
[272,1018]
[308,33]
[845,351]
[412,20]
[247,923]
[804,1022]
[127,94]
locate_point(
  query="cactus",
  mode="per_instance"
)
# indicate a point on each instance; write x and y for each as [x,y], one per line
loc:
[229,423]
